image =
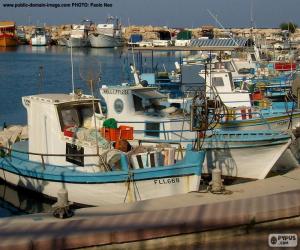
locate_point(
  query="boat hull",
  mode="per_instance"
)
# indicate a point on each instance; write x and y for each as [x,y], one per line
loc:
[276,122]
[110,193]
[39,41]
[254,162]
[76,42]
[104,187]
[104,41]
[8,41]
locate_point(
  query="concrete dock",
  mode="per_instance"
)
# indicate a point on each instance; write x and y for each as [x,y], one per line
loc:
[243,217]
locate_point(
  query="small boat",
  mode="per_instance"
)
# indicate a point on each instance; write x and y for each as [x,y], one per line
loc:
[79,35]
[107,35]
[21,36]
[39,37]
[64,150]
[8,36]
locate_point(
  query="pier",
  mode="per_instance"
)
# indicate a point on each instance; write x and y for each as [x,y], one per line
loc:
[186,48]
[242,217]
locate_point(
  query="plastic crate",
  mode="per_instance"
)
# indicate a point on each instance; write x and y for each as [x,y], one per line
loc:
[256,96]
[69,131]
[126,132]
[111,134]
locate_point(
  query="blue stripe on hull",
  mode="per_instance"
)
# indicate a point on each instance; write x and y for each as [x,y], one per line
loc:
[20,165]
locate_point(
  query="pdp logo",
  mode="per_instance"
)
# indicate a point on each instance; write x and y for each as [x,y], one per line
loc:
[283,240]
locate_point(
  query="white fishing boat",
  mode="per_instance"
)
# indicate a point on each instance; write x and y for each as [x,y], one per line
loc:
[64,150]
[79,35]
[140,107]
[39,37]
[107,35]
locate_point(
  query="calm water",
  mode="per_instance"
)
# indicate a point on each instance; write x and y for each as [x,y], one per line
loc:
[20,76]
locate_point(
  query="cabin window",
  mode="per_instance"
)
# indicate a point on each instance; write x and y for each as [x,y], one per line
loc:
[79,115]
[229,66]
[217,81]
[152,129]
[70,117]
[118,106]
[138,103]
[253,57]
[75,155]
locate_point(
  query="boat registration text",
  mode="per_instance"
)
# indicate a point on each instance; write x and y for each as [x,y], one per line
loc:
[166,180]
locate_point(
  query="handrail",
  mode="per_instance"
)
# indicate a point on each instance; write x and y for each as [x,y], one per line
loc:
[167,121]
[55,155]
[42,154]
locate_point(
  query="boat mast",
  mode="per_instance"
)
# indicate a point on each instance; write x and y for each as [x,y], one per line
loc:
[72,70]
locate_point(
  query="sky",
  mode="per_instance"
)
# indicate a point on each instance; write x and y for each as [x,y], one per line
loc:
[171,13]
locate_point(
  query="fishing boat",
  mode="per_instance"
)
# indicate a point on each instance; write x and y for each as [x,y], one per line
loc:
[8,36]
[21,36]
[107,35]
[39,37]
[79,35]
[232,149]
[65,150]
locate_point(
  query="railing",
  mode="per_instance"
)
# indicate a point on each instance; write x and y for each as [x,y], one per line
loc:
[10,150]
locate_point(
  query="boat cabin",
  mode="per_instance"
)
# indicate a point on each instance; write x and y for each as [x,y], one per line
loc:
[79,31]
[221,80]
[146,110]
[53,120]
[123,101]
[7,27]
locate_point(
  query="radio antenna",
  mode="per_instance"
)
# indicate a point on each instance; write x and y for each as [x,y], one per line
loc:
[219,23]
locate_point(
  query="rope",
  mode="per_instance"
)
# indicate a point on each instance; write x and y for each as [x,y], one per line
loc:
[135,187]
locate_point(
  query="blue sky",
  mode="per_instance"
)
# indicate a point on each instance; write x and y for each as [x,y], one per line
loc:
[172,13]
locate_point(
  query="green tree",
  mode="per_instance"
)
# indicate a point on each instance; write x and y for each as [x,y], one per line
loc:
[291,27]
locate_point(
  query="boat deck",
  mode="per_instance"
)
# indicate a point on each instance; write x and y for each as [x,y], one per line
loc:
[245,204]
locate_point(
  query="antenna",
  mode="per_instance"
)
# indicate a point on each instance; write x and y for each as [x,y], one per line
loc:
[72,69]
[218,22]
[251,15]
[133,67]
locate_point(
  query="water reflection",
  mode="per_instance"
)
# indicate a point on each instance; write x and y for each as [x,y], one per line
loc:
[17,201]
[8,49]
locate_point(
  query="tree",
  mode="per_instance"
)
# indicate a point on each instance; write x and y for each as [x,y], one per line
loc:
[291,27]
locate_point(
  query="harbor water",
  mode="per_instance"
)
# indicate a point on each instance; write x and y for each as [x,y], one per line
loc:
[27,70]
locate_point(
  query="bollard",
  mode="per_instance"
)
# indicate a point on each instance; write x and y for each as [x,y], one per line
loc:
[216,184]
[62,206]
[62,197]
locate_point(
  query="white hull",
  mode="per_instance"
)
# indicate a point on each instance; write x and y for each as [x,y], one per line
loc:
[76,42]
[251,162]
[110,193]
[39,41]
[104,41]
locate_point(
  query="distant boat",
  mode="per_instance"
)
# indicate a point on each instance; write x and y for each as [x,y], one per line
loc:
[39,37]
[79,35]
[8,36]
[107,35]
[21,36]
